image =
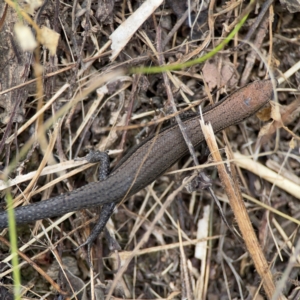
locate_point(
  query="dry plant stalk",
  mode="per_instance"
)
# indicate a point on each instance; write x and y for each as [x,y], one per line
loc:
[263,172]
[238,207]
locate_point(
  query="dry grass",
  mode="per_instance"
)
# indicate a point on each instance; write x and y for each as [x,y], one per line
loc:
[71,109]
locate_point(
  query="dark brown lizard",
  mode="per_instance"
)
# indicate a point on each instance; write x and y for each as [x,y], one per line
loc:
[147,161]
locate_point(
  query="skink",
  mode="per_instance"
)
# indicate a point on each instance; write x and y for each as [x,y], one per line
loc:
[147,161]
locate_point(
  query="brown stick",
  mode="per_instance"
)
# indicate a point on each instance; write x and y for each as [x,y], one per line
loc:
[238,207]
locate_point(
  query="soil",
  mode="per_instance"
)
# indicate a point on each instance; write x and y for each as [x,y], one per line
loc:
[64,80]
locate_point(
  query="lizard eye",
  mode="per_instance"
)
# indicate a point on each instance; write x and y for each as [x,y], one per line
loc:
[247,101]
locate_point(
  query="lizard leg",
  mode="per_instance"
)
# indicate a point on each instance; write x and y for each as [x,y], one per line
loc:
[107,209]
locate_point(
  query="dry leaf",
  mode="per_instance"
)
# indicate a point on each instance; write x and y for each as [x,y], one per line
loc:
[214,79]
[49,38]
[292,143]
[32,5]
[282,115]
[264,114]
[265,129]
[275,113]
[25,37]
